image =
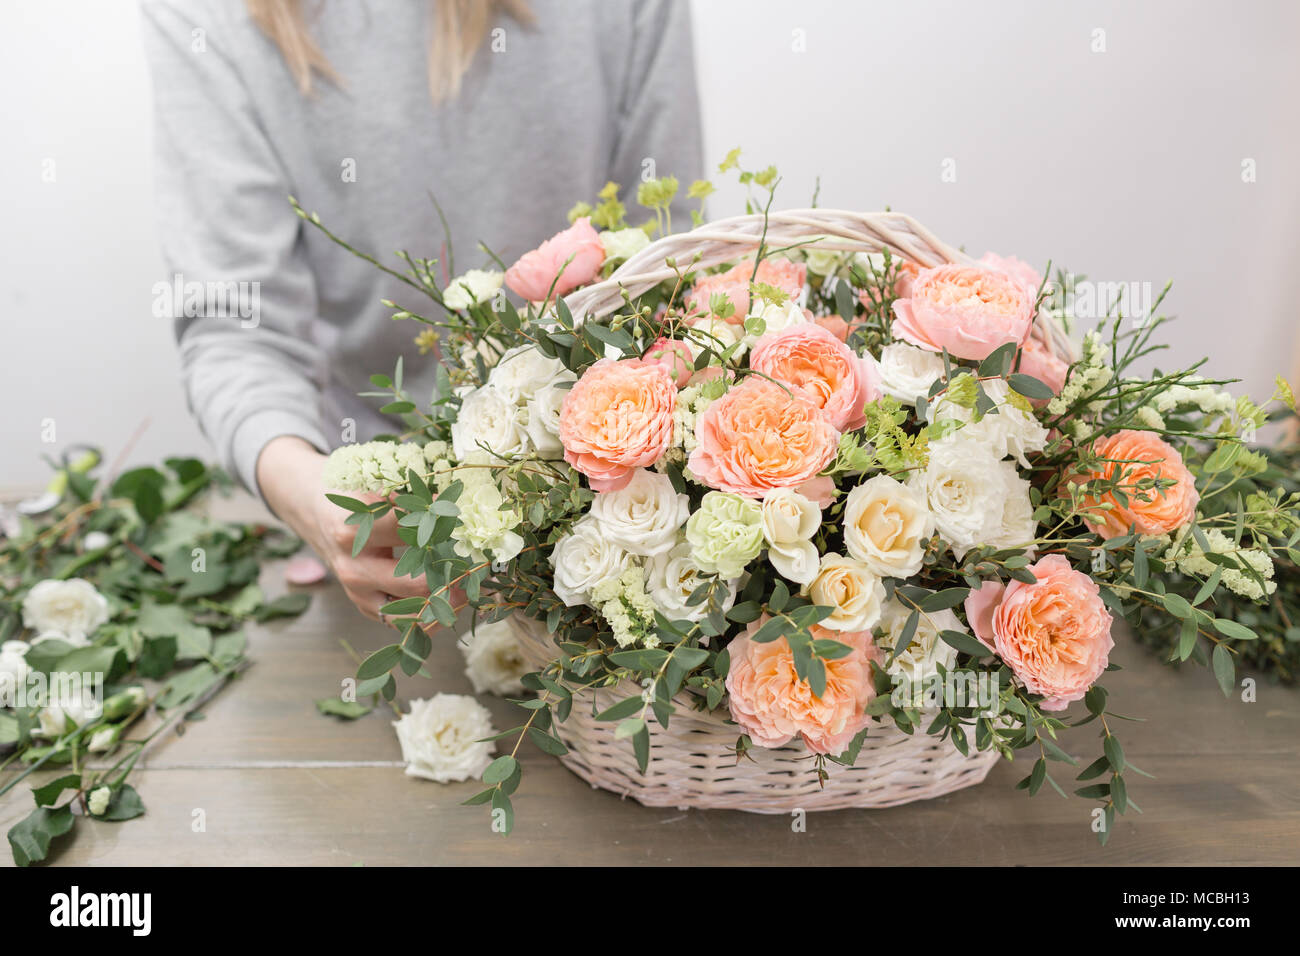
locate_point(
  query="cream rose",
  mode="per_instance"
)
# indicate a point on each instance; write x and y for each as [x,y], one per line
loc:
[488,418]
[906,372]
[493,659]
[644,516]
[672,577]
[789,522]
[851,588]
[886,526]
[442,738]
[72,607]
[583,559]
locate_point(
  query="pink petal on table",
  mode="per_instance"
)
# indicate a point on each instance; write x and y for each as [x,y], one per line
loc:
[304,569]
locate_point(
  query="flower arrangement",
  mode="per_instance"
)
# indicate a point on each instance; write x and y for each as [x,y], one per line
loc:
[805,488]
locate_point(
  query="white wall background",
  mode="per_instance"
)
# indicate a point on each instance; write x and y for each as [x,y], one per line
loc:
[1124,164]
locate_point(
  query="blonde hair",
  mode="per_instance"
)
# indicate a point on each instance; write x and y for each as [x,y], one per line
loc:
[458,30]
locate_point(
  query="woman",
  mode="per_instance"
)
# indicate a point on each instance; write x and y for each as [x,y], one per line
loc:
[506,112]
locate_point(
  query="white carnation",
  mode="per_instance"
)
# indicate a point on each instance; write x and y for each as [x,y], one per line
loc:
[525,370]
[790,520]
[488,417]
[485,528]
[72,607]
[442,738]
[583,559]
[906,372]
[477,285]
[644,516]
[1010,431]
[966,488]
[672,577]
[494,661]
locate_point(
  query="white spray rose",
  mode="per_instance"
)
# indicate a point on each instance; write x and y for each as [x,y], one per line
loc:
[851,588]
[72,607]
[543,420]
[716,334]
[643,516]
[776,317]
[672,577]
[886,525]
[488,417]
[789,522]
[583,559]
[1017,528]
[623,243]
[966,488]
[13,669]
[906,372]
[525,370]
[493,659]
[927,651]
[477,285]
[57,719]
[1012,430]
[442,738]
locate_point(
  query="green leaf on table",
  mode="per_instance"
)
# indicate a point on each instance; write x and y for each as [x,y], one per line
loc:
[290,605]
[186,686]
[157,657]
[48,794]
[337,707]
[30,838]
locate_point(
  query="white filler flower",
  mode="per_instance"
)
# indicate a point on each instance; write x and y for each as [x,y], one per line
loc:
[442,738]
[73,608]
[493,660]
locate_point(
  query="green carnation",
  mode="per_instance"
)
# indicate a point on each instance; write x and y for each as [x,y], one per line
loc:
[725,534]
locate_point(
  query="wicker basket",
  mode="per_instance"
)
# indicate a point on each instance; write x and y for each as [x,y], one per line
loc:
[690,763]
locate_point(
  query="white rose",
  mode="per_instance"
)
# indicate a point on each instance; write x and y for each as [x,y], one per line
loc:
[644,516]
[776,318]
[71,607]
[965,486]
[97,801]
[870,263]
[927,651]
[442,738]
[716,334]
[524,370]
[825,262]
[493,659]
[54,720]
[789,522]
[1017,529]
[851,588]
[488,417]
[477,285]
[583,559]
[1010,431]
[672,577]
[906,372]
[886,525]
[623,243]
[486,348]
[543,420]
[13,670]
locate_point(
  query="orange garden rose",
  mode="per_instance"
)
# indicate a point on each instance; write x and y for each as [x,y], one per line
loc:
[760,436]
[811,359]
[773,705]
[1054,634]
[616,418]
[968,310]
[734,284]
[1137,455]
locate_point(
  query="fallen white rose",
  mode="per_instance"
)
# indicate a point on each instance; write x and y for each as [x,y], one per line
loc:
[442,738]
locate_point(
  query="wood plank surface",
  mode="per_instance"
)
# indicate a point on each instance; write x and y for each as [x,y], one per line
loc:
[276,783]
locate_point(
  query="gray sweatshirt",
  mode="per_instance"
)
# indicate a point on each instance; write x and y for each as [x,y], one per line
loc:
[593,92]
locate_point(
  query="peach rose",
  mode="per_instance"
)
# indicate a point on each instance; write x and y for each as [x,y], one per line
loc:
[1018,269]
[787,276]
[760,436]
[772,704]
[835,325]
[1135,456]
[814,361]
[675,356]
[1054,634]
[577,251]
[968,310]
[616,418]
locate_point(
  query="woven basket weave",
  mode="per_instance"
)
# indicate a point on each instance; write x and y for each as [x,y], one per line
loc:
[690,762]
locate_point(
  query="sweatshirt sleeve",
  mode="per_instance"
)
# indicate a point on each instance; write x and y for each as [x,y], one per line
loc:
[661,106]
[221,200]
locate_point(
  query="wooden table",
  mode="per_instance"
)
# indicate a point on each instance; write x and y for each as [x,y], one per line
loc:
[280,784]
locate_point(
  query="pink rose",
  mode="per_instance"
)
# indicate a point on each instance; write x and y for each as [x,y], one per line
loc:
[760,436]
[814,361]
[574,255]
[1054,634]
[968,310]
[616,418]
[1018,269]
[785,275]
[1037,361]
[772,704]
[675,356]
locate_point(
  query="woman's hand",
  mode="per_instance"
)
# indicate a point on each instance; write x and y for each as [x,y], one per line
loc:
[289,473]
